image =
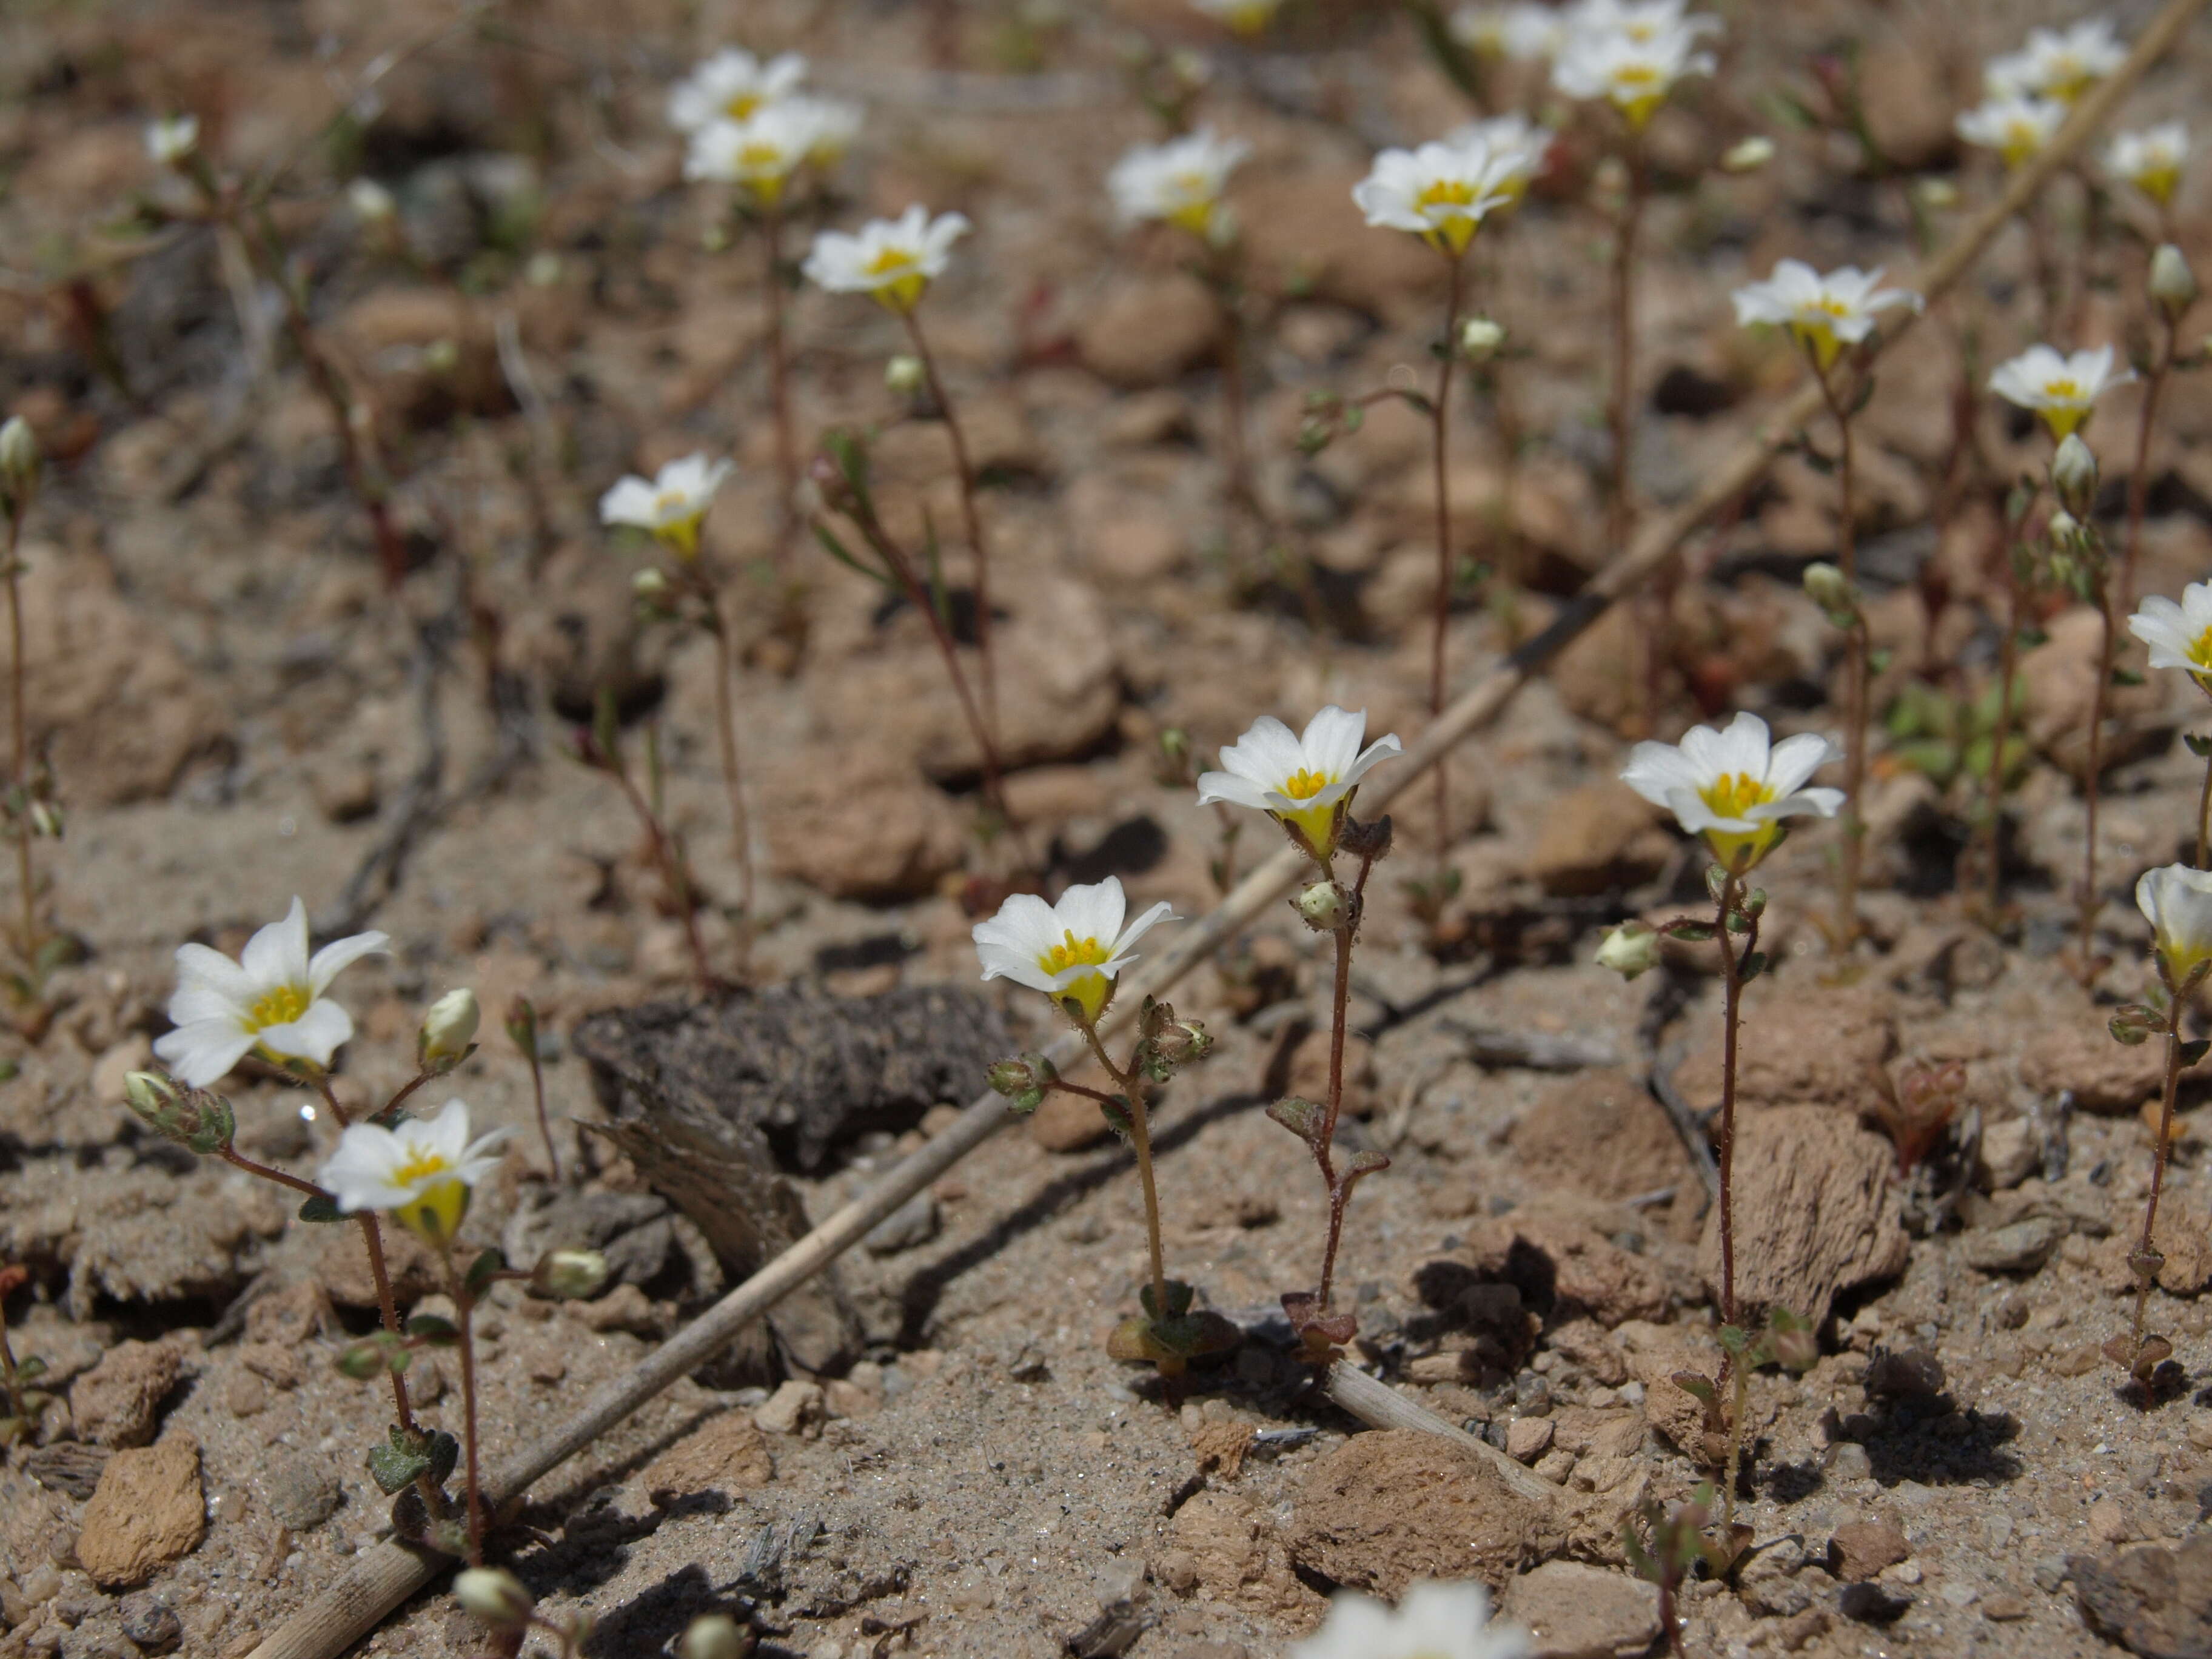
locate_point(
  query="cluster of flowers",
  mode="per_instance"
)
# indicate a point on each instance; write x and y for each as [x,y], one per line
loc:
[2027,95]
[751,123]
[1628,52]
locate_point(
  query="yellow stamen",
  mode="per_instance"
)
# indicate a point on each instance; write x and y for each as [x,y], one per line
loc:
[278,1007]
[1732,795]
[1072,952]
[1303,785]
[741,104]
[904,288]
[1454,230]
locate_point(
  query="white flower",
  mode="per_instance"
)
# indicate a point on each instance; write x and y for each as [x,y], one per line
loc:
[1826,312]
[893,259]
[1433,1621]
[2150,160]
[1441,192]
[2179,635]
[1180,181]
[1524,33]
[1639,19]
[1073,949]
[1732,787]
[2062,390]
[270,1000]
[762,152]
[2017,125]
[671,505]
[2177,901]
[2056,63]
[1245,16]
[421,1172]
[730,86]
[1635,70]
[1305,781]
[169,140]
[372,204]
[1516,147]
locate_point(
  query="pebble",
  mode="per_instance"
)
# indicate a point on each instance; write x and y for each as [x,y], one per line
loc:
[151,1624]
[303,1492]
[2021,1247]
[245,1394]
[2003,1609]
[1849,1461]
[913,1222]
[2050,1572]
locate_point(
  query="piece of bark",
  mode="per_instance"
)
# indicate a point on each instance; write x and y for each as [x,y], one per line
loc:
[699,1096]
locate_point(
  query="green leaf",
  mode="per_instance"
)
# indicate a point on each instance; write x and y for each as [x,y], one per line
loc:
[434,1328]
[1878,661]
[1303,1118]
[2193,1051]
[2199,745]
[837,551]
[1690,933]
[2126,676]
[1691,1383]
[480,1273]
[1752,967]
[321,1209]
[394,1466]
[30,1369]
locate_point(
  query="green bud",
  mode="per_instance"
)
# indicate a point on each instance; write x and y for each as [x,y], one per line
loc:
[521,1022]
[904,376]
[713,1636]
[196,1119]
[1023,1080]
[1323,906]
[1480,339]
[1747,154]
[449,1031]
[2172,283]
[571,1275]
[649,587]
[20,462]
[496,1596]
[2074,474]
[1829,588]
[1629,950]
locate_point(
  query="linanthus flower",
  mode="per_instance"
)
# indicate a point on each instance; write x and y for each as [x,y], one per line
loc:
[1180,181]
[2017,125]
[730,86]
[1639,19]
[1825,313]
[1071,951]
[2150,160]
[1524,32]
[1516,146]
[2060,389]
[892,259]
[1441,192]
[1306,780]
[1433,1621]
[271,1001]
[2061,63]
[2179,635]
[1245,16]
[2176,901]
[1735,786]
[1635,70]
[760,153]
[172,138]
[420,1172]
[672,505]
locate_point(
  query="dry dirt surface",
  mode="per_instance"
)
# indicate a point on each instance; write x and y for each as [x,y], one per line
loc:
[935,1454]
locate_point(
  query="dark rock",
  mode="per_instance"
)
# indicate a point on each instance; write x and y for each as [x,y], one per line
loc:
[151,1624]
[67,1467]
[1870,1604]
[1861,1549]
[1904,1374]
[2155,1601]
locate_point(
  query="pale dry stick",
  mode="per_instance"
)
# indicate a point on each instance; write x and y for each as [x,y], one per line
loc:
[387,1573]
[1440,439]
[1855,669]
[18,776]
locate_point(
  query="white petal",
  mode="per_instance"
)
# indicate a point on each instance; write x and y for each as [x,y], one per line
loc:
[277,954]
[1383,748]
[201,1053]
[334,958]
[1136,930]
[1093,911]
[1330,742]
[1230,790]
[318,1034]
[1794,760]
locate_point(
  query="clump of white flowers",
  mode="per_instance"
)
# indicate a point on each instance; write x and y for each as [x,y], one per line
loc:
[170,140]
[1441,191]
[731,85]
[421,1174]
[1735,787]
[1632,57]
[1180,182]
[2056,63]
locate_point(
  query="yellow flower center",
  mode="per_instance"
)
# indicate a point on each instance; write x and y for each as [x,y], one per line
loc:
[1072,952]
[2202,651]
[2062,390]
[1303,784]
[420,1165]
[278,1007]
[1446,192]
[741,104]
[888,260]
[1453,231]
[1733,794]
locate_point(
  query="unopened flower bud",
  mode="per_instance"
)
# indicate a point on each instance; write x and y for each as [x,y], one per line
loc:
[712,1636]
[449,1031]
[1747,154]
[1023,1080]
[904,375]
[1936,194]
[372,204]
[1629,950]
[649,587]
[1323,906]
[1480,339]
[521,1022]
[2064,529]
[572,1275]
[2172,283]
[196,1119]
[496,1596]
[172,142]
[2074,474]
[19,464]
[1830,589]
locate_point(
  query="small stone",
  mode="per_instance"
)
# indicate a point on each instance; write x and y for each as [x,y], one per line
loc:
[2010,1151]
[1394,1506]
[1529,1438]
[278,1366]
[150,1623]
[1068,1123]
[1578,1612]
[726,1454]
[625,1308]
[2108,1523]
[2021,1247]
[2105,1076]
[147,1510]
[796,1406]
[1870,1604]
[114,1403]
[843,1398]
[2003,1609]
[2157,1601]
[302,1491]
[2050,1572]
[1861,1549]
[245,1394]
[913,1222]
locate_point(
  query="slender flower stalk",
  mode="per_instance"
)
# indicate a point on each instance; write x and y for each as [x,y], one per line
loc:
[1828,316]
[19,466]
[1306,782]
[672,506]
[521,1022]
[2173,290]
